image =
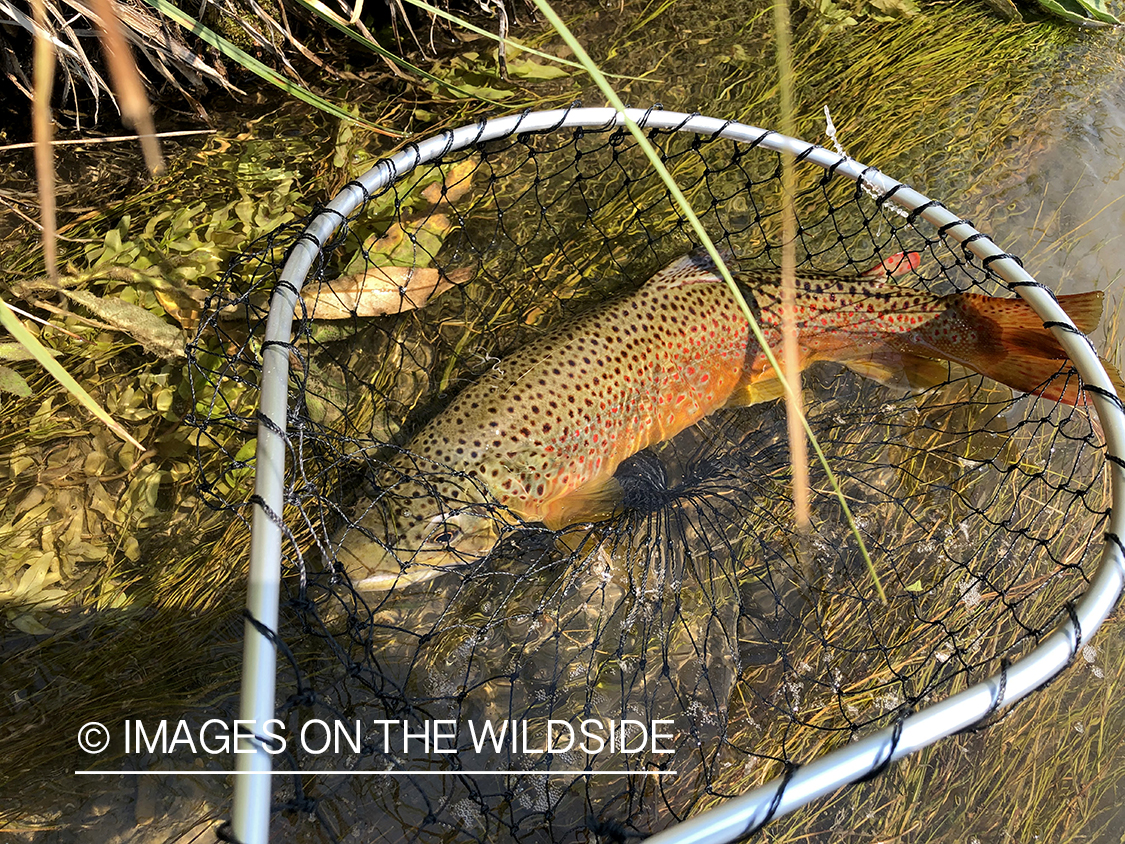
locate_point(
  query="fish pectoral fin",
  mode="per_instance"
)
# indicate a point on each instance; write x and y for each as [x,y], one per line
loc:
[592,502]
[904,370]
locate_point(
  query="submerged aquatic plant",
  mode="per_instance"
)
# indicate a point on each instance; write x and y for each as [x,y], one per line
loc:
[842,14]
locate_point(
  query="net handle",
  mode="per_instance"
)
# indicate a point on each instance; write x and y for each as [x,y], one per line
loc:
[741,815]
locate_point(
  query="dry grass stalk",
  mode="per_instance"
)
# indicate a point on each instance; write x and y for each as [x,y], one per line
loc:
[44,72]
[791,353]
[132,99]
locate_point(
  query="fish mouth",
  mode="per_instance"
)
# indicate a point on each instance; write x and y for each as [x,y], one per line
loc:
[387,581]
[396,575]
[372,567]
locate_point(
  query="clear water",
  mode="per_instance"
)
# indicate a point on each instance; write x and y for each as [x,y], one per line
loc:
[1060,203]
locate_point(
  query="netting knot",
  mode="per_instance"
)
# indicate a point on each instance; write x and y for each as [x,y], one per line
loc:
[611,829]
[303,805]
[305,697]
[224,832]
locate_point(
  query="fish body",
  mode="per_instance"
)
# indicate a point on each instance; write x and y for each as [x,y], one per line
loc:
[543,432]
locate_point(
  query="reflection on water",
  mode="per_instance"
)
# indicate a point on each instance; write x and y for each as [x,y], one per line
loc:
[1070,209]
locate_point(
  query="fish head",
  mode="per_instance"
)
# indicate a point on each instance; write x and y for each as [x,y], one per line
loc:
[417,530]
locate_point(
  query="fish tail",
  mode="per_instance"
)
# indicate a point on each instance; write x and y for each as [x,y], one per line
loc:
[1006,340]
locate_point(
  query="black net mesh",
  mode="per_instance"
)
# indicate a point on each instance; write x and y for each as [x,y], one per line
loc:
[696,611]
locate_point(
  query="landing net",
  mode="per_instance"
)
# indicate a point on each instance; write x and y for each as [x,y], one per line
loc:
[732,650]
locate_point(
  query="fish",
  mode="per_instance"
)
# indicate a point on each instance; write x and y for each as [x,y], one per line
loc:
[539,437]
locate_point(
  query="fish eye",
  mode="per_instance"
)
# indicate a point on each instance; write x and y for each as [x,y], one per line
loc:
[445,532]
[445,536]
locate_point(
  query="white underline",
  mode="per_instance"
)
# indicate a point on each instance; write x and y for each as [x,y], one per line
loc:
[388,773]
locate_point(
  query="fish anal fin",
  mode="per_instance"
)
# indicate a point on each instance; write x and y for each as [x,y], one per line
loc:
[892,367]
[904,370]
[760,383]
[766,388]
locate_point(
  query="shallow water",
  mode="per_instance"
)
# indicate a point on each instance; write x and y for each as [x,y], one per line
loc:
[1070,163]
[1052,144]
[1070,210]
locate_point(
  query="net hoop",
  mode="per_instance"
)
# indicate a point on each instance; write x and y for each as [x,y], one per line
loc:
[801,785]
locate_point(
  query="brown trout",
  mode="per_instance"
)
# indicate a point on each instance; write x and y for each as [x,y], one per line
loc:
[542,433]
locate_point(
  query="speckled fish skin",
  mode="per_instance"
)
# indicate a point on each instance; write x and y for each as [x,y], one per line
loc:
[543,432]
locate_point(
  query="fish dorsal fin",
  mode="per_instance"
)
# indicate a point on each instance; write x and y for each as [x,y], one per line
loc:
[900,263]
[692,268]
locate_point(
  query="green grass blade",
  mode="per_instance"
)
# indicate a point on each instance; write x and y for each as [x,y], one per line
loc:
[654,159]
[48,362]
[247,61]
